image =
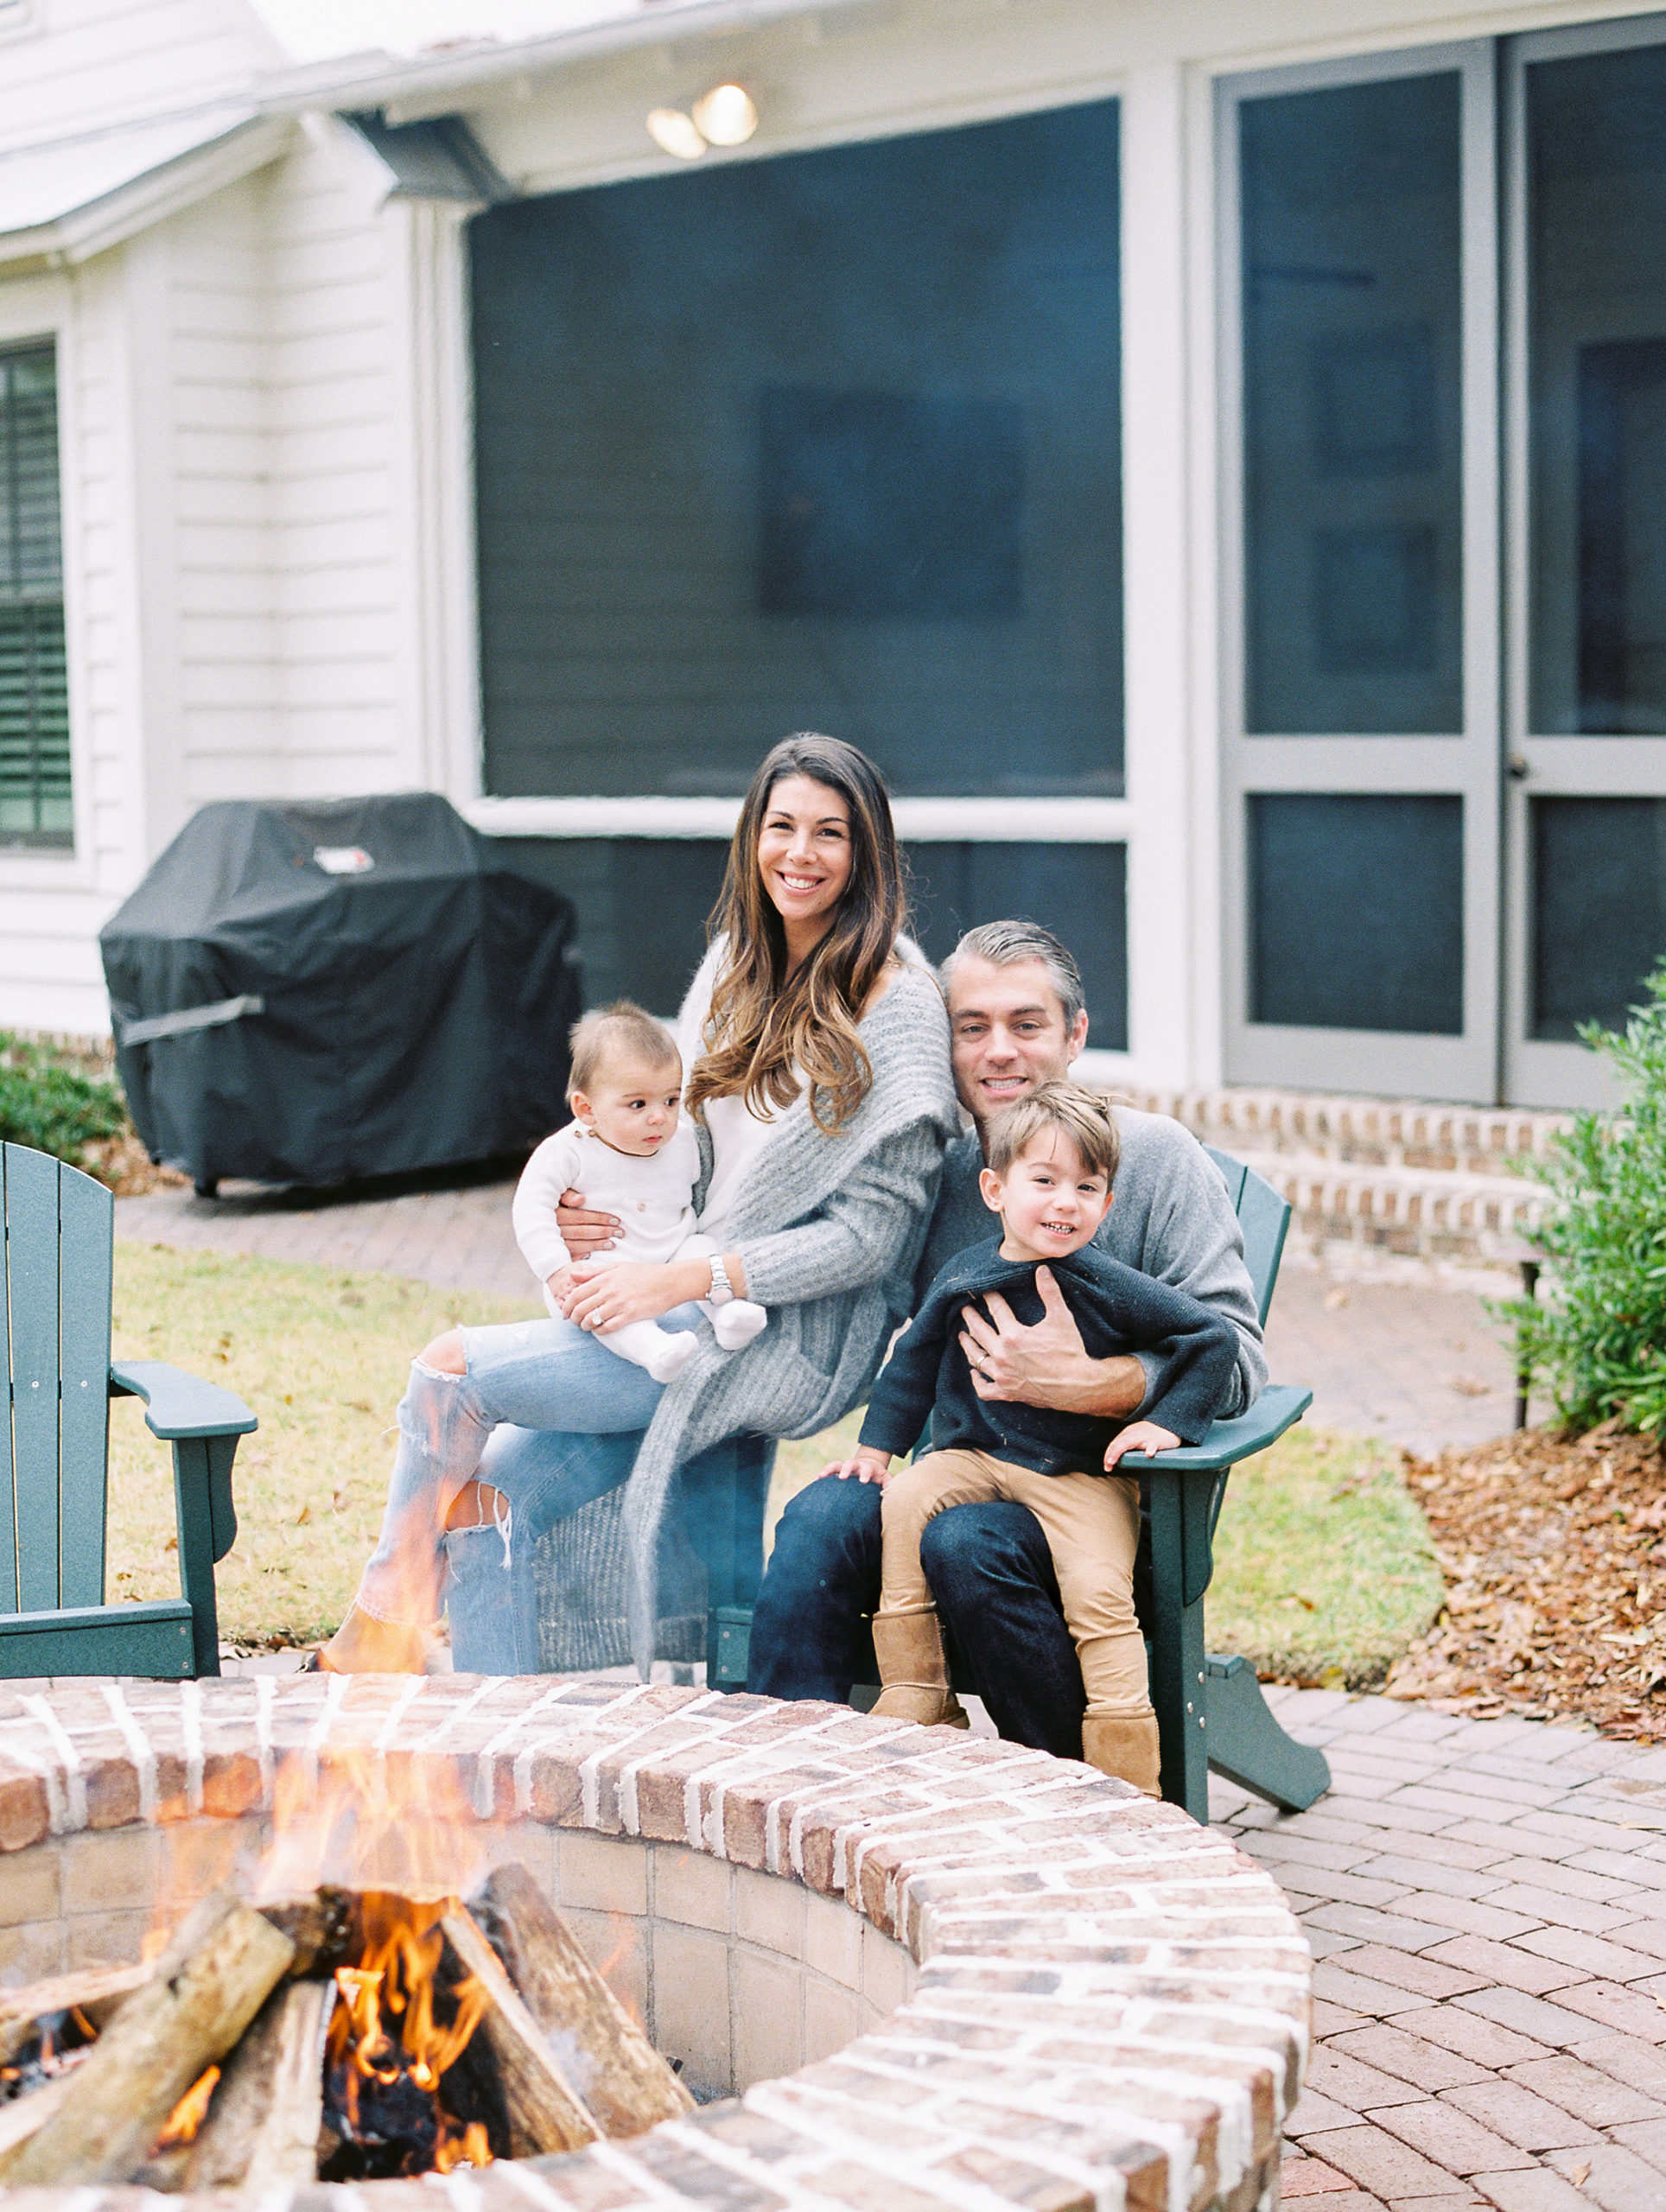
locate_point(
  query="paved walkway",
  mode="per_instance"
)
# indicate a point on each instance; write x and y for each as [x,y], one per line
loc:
[1486,1903]
[1486,1900]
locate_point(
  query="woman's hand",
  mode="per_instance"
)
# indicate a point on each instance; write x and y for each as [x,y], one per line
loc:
[559,1284]
[1139,1436]
[603,1299]
[864,1464]
[583,1233]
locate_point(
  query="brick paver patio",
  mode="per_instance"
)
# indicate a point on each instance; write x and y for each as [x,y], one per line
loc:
[1486,1900]
[1486,1903]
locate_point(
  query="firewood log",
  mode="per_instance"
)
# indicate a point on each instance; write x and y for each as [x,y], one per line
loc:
[26,2115]
[626,2084]
[219,2157]
[545,2112]
[97,1990]
[207,1986]
[319,1925]
[263,2125]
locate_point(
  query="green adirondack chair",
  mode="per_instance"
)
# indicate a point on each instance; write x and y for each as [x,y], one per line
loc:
[1210,1709]
[54,1338]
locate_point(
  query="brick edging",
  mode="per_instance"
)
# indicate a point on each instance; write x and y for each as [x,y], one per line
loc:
[1112,2004]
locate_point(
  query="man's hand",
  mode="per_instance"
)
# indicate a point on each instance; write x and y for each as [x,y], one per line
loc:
[583,1233]
[1045,1365]
[864,1464]
[1139,1436]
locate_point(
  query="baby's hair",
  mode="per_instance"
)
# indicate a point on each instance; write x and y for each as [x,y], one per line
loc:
[621,1027]
[1081,1116]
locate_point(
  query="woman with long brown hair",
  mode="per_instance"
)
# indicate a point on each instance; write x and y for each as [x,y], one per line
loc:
[820,1085]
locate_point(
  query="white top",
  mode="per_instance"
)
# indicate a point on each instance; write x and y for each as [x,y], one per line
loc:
[651,1195]
[737,1138]
[737,1135]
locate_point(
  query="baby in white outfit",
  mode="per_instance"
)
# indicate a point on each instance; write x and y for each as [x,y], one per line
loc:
[632,1152]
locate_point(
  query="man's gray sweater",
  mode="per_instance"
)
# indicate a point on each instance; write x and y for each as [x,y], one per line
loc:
[1170,1217]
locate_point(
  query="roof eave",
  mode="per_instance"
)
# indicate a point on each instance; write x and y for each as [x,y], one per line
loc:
[434,84]
[166,190]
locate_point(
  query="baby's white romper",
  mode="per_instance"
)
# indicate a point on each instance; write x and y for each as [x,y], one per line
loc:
[653,1197]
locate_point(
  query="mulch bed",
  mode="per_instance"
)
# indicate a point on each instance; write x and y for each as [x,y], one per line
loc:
[1555,1566]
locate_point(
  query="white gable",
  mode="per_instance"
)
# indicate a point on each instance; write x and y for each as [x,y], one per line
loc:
[74,67]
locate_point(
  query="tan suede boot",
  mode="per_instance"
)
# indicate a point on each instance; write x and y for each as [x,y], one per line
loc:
[1125,1745]
[909,1648]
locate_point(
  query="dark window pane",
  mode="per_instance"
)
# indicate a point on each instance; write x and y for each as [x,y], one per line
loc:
[1357,911]
[1598,908]
[642,904]
[1078,892]
[1353,536]
[831,441]
[35,794]
[881,506]
[1597,229]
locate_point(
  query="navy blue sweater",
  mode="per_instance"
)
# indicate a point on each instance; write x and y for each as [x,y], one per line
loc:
[1118,1310]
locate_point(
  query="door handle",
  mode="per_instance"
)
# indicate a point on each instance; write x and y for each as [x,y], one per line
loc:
[1519,768]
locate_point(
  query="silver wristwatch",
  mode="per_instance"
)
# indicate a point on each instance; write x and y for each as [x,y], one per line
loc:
[721,1288]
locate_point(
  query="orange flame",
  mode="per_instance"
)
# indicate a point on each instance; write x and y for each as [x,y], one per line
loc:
[367,1822]
[189,2114]
[385,2025]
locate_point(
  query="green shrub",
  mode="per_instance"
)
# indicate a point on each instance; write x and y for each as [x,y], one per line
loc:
[51,1104]
[1597,1341]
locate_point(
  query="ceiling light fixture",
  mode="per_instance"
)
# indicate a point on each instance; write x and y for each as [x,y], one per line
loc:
[726,116]
[676,133]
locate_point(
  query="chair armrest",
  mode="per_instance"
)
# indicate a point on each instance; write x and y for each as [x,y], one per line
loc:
[176,1404]
[1280,1406]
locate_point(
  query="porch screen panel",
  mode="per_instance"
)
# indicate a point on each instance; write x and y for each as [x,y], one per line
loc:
[828,441]
[1353,524]
[1356,911]
[35,794]
[1598,872]
[1596,127]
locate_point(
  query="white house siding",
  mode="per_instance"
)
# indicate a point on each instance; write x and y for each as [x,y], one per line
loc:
[239,535]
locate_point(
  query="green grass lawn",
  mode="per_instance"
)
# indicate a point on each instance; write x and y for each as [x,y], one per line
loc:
[1324,1570]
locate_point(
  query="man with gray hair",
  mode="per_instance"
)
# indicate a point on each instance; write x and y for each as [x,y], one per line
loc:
[1017,1019]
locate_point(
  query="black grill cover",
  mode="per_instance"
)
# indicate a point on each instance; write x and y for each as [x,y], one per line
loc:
[414,1003]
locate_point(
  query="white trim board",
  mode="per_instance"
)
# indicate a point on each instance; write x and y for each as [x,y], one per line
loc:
[920,821]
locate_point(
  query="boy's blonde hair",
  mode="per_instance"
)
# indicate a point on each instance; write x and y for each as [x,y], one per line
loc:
[624,1026]
[1081,1114]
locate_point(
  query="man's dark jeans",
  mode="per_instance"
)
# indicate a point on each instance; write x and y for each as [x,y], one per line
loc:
[991,1573]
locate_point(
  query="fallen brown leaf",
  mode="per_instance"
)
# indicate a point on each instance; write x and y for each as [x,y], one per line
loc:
[1552,1550]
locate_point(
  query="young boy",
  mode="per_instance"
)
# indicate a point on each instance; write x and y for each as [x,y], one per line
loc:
[1052,1163]
[632,1151]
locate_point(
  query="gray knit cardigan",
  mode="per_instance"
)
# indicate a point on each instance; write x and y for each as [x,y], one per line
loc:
[829,1228]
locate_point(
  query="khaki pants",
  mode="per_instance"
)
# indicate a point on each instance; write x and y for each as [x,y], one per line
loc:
[1092,1526]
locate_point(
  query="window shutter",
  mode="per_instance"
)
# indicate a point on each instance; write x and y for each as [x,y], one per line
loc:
[35,787]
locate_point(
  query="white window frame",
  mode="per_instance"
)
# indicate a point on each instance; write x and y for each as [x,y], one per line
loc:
[41,310]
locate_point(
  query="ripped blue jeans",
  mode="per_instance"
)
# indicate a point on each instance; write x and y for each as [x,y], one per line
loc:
[542,1375]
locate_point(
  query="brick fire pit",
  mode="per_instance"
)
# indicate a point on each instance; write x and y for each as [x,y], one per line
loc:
[935,1971]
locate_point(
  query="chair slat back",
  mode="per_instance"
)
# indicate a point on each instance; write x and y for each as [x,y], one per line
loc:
[59,1227]
[1264,1217]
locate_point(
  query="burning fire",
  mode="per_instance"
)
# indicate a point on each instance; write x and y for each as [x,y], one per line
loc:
[368,1822]
[400,2091]
[189,2114]
[386,2053]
